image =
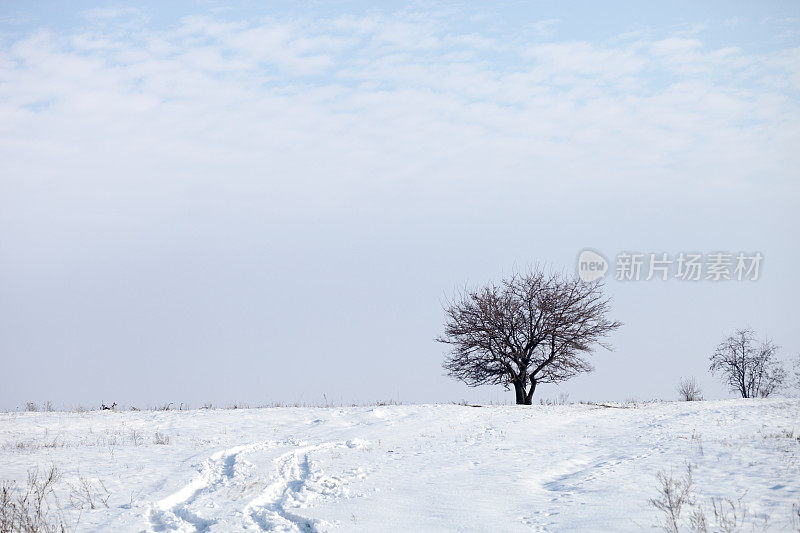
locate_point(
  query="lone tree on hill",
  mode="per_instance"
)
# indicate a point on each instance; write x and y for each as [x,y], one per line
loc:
[528,329]
[748,367]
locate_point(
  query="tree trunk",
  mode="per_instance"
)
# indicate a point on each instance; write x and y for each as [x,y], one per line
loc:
[529,396]
[524,396]
[519,389]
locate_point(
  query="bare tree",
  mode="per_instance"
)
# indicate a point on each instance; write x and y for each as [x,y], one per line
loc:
[528,329]
[749,367]
[689,390]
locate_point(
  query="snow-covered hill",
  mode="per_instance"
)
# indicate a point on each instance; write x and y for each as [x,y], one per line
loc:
[409,468]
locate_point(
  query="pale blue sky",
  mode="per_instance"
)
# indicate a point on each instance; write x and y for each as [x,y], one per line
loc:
[219,202]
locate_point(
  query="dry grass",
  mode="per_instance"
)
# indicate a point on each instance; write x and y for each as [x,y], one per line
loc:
[35,508]
[680,508]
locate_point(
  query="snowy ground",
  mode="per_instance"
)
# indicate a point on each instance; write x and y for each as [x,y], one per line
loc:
[409,468]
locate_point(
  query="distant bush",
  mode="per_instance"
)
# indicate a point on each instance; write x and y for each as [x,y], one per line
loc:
[563,399]
[749,367]
[689,390]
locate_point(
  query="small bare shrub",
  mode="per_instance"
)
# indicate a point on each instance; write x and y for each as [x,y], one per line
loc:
[698,439]
[697,520]
[31,407]
[161,439]
[796,370]
[681,509]
[674,493]
[729,515]
[85,494]
[136,437]
[19,446]
[689,390]
[780,434]
[53,443]
[563,399]
[34,509]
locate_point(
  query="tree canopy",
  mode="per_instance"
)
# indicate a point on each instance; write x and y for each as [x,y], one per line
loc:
[532,327]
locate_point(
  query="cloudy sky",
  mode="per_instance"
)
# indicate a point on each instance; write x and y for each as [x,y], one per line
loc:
[259,202]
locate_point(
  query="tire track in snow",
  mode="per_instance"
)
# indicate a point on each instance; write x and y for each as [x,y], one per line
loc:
[173,512]
[270,511]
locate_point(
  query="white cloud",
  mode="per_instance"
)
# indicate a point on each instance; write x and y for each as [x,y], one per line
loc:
[676,46]
[331,106]
[546,28]
[107,13]
[585,59]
